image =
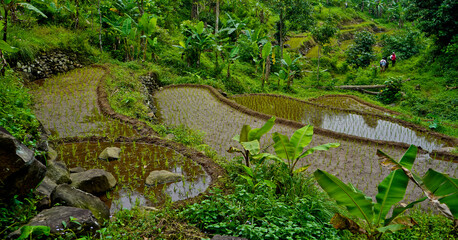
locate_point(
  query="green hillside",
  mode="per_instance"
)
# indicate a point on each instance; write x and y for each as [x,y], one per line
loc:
[302,49]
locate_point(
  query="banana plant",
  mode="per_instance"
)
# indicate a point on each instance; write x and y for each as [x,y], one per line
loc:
[147,25]
[290,151]
[289,67]
[439,188]
[390,192]
[249,139]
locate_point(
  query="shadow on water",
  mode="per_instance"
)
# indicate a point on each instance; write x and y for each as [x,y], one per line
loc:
[367,126]
[136,161]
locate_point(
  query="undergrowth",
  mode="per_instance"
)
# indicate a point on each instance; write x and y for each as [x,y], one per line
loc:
[16,114]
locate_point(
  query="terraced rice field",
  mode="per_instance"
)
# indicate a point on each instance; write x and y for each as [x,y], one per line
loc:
[354,161]
[337,120]
[67,105]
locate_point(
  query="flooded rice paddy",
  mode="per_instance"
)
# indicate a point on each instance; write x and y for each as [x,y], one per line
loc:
[67,106]
[136,161]
[362,125]
[354,161]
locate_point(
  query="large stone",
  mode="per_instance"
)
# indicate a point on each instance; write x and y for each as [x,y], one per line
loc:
[83,223]
[19,170]
[45,190]
[58,172]
[70,196]
[93,181]
[110,153]
[162,176]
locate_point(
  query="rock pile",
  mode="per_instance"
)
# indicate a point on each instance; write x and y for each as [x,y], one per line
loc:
[151,84]
[21,172]
[48,64]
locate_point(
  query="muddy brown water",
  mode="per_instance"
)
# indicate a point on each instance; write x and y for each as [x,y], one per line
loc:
[367,126]
[354,161]
[136,161]
[67,106]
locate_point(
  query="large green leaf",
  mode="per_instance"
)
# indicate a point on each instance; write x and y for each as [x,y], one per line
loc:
[397,211]
[257,133]
[356,203]
[252,146]
[34,231]
[301,138]
[283,148]
[390,191]
[409,156]
[126,27]
[200,27]
[32,8]
[444,188]
[324,147]
[244,133]
[266,49]
[405,163]
[4,46]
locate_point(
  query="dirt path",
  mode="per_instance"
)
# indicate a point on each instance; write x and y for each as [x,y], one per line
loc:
[67,106]
[354,161]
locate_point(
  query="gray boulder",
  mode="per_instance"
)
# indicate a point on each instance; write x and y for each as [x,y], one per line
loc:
[58,172]
[77,170]
[93,181]
[51,154]
[70,196]
[110,153]
[45,190]
[162,176]
[19,170]
[84,221]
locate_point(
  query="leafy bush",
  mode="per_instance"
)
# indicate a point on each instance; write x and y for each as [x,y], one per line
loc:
[260,215]
[405,44]
[391,93]
[15,212]
[360,54]
[16,115]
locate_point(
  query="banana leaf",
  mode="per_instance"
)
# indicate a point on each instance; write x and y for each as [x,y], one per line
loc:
[444,188]
[283,148]
[257,133]
[390,191]
[301,138]
[356,203]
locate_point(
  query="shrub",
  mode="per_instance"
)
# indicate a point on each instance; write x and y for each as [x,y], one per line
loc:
[15,110]
[360,54]
[405,44]
[391,93]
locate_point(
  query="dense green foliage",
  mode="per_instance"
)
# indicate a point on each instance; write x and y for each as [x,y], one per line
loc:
[178,41]
[16,115]
[360,54]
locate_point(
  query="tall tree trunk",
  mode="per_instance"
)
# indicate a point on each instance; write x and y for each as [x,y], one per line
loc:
[77,17]
[281,34]
[5,27]
[268,62]
[3,63]
[100,29]
[216,32]
[318,68]
[217,16]
[195,10]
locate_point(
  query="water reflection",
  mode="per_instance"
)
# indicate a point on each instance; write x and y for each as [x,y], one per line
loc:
[368,126]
